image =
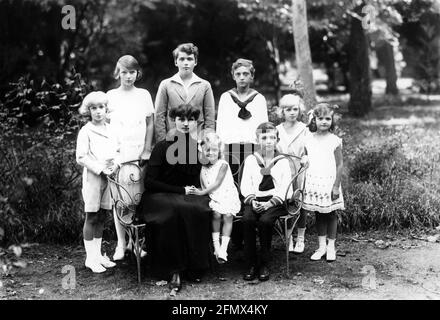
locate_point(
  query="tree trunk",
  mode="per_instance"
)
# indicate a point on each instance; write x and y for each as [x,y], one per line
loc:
[359,69]
[302,51]
[385,54]
[275,58]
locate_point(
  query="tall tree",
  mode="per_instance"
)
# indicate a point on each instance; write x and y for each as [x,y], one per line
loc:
[359,67]
[302,49]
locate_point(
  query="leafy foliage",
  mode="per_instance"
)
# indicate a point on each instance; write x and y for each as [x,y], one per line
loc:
[40,190]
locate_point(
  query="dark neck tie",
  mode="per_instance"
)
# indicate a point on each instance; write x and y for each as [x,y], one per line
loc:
[243,113]
[267,181]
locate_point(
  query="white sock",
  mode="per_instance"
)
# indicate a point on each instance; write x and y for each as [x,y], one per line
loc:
[216,241]
[301,234]
[98,243]
[90,247]
[322,242]
[331,243]
[225,242]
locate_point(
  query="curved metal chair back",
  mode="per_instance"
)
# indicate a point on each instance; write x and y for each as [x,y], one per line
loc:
[126,189]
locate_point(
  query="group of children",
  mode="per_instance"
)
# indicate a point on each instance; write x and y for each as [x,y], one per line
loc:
[121,127]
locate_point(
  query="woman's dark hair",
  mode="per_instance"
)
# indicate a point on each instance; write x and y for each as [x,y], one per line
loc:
[321,109]
[184,111]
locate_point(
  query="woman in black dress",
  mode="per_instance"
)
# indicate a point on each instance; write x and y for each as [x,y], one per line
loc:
[177,223]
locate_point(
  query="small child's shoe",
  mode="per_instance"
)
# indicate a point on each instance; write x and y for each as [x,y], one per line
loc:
[222,256]
[318,254]
[299,246]
[119,253]
[106,262]
[291,245]
[94,265]
[331,254]
[130,247]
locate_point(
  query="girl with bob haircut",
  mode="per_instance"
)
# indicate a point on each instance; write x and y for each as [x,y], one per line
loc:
[131,115]
[96,151]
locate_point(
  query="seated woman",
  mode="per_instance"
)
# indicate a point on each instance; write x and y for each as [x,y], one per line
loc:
[177,222]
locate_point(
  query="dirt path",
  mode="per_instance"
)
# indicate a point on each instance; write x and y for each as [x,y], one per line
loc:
[406,269]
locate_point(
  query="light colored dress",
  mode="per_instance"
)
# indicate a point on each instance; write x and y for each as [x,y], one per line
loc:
[321,174]
[224,199]
[127,113]
[293,144]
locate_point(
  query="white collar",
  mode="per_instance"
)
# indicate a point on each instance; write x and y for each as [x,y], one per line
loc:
[195,78]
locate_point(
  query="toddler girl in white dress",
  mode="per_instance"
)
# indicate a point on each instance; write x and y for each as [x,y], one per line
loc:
[217,181]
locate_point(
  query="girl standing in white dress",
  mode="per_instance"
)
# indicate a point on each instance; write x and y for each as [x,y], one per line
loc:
[131,113]
[292,134]
[322,191]
[217,181]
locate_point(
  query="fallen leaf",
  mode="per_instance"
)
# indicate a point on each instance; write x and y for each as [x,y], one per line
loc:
[27,284]
[318,281]
[1,284]
[433,238]
[161,283]
[41,291]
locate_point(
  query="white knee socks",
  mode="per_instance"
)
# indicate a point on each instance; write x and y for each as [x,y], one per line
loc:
[216,241]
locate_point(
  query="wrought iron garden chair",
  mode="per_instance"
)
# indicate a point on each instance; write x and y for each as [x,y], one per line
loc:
[292,202]
[126,190]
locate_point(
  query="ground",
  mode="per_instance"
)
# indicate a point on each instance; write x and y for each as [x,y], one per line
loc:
[369,266]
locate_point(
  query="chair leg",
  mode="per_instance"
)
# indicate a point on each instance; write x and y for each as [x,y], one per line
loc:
[286,243]
[137,251]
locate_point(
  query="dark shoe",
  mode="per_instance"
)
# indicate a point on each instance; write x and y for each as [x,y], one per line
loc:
[175,283]
[250,275]
[264,273]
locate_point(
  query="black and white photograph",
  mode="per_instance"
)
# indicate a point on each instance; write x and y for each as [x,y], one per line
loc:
[220,155]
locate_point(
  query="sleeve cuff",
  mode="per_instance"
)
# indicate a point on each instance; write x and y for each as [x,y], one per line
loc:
[249,199]
[276,201]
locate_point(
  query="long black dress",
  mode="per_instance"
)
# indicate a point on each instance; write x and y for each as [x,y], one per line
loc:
[177,225]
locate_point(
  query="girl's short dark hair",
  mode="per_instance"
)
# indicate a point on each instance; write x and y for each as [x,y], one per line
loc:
[130,63]
[188,48]
[243,63]
[320,109]
[184,111]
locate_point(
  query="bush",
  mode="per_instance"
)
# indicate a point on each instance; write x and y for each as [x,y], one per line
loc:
[386,189]
[40,190]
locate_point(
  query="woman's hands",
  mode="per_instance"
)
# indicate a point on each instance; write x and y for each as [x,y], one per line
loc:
[195,191]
